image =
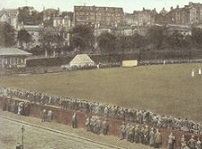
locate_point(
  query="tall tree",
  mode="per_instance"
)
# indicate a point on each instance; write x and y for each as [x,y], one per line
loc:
[155,36]
[29,16]
[82,37]
[52,42]
[138,40]
[23,37]
[107,43]
[7,35]
[197,36]
[178,40]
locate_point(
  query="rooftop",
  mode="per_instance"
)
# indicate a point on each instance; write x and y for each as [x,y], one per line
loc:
[10,12]
[13,51]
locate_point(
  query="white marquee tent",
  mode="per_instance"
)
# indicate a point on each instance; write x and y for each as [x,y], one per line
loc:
[81,60]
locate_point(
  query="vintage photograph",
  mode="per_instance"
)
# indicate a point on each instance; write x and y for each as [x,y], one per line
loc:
[104,74]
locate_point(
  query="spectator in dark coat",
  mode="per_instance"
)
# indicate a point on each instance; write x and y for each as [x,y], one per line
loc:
[74,120]
[44,115]
[123,131]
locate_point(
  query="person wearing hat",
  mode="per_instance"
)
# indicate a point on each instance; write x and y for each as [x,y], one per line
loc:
[137,134]
[50,116]
[171,141]
[74,120]
[151,137]
[141,135]
[192,143]
[123,131]
[88,120]
[157,139]
[105,127]
[183,142]
[44,115]
[128,125]
[131,134]
[146,135]
[198,144]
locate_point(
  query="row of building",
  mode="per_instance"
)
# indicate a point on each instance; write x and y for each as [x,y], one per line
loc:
[190,14]
[110,19]
[110,16]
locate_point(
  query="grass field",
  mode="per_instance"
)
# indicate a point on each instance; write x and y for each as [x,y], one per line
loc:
[164,89]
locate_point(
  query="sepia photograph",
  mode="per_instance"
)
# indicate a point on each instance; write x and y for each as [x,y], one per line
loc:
[100,74]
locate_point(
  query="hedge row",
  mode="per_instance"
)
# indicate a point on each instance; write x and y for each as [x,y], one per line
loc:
[58,61]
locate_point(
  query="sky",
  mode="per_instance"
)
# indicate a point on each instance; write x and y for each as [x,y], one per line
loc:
[67,5]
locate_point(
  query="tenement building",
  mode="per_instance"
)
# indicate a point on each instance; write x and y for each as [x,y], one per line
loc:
[190,14]
[195,13]
[109,16]
[144,17]
[179,15]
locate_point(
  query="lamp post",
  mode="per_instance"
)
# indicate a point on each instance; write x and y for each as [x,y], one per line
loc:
[23,129]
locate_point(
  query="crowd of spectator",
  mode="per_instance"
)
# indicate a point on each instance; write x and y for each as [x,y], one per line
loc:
[96,125]
[140,126]
[110,111]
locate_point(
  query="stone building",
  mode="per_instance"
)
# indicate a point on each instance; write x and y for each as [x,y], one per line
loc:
[62,22]
[110,16]
[10,16]
[163,18]
[145,17]
[179,15]
[190,14]
[35,33]
[50,13]
[38,31]
[130,19]
[195,13]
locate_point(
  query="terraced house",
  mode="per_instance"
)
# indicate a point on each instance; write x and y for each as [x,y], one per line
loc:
[108,16]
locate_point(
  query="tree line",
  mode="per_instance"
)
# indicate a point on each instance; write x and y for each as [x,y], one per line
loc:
[82,38]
